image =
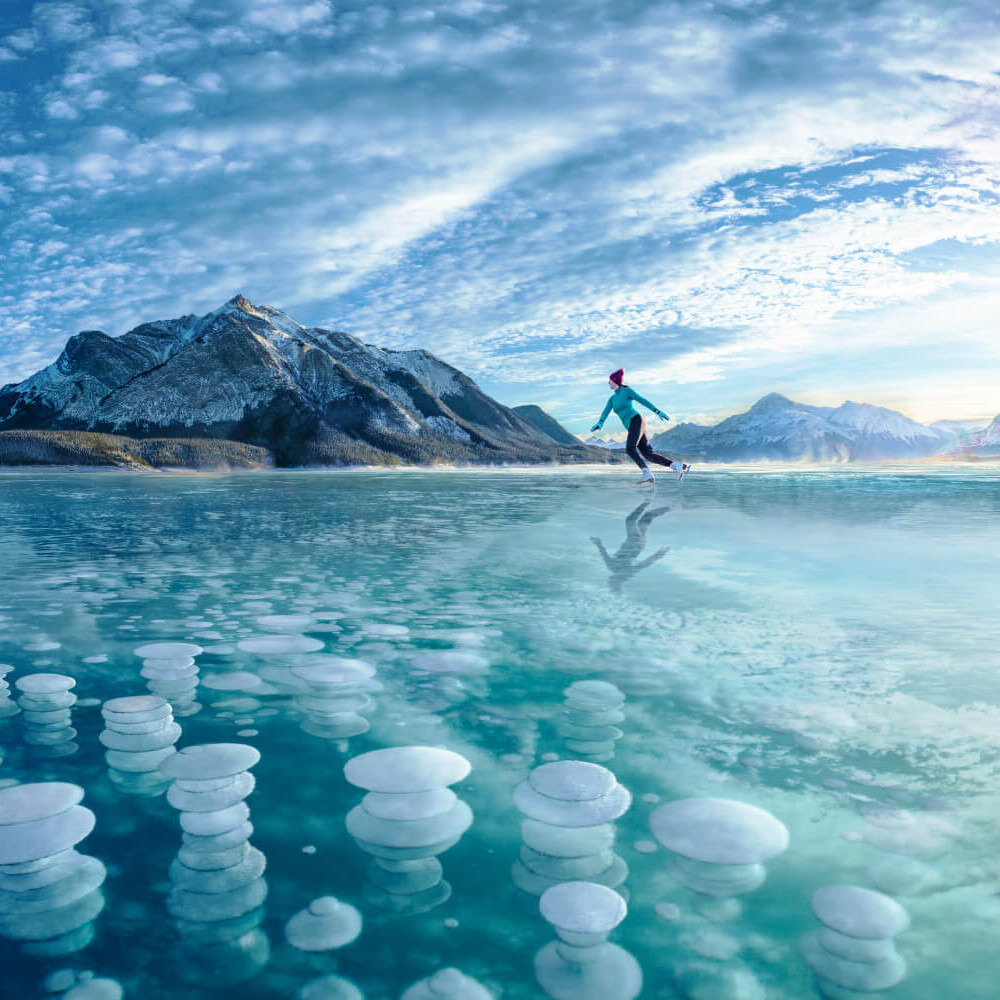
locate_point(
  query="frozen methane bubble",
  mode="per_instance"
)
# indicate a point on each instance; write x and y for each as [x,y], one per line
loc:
[139,734]
[854,949]
[170,672]
[95,989]
[582,964]
[719,846]
[589,719]
[408,817]
[448,984]
[336,692]
[218,888]
[326,923]
[568,833]
[329,988]
[7,706]
[45,703]
[49,893]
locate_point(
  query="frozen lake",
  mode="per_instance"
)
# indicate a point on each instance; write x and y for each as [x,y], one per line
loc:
[821,645]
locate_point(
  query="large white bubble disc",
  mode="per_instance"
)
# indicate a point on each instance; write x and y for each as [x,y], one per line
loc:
[395,770]
[859,912]
[582,909]
[718,831]
[210,760]
[167,650]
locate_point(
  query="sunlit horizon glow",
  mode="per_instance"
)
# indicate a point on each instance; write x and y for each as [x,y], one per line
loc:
[727,199]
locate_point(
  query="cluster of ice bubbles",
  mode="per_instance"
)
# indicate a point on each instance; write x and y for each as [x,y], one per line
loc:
[336,692]
[139,734]
[50,894]
[447,984]
[45,703]
[568,833]
[588,724]
[854,952]
[7,705]
[218,888]
[171,673]
[281,652]
[718,846]
[408,817]
[582,964]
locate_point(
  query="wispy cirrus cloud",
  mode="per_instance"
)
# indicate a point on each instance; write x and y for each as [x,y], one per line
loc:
[712,194]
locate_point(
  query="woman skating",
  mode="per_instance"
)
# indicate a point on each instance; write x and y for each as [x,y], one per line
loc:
[637,446]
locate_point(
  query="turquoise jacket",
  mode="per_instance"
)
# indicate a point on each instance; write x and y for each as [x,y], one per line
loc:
[621,401]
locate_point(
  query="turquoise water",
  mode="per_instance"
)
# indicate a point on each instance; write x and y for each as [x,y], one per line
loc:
[820,644]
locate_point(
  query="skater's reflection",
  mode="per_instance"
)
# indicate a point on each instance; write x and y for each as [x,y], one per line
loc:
[622,565]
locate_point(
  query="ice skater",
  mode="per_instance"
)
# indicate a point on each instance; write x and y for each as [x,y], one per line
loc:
[637,446]
[624,564]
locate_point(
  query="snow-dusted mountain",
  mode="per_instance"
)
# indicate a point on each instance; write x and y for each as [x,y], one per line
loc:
[880,433]
[985,442]
[609,444]
[250,373]
[776,428]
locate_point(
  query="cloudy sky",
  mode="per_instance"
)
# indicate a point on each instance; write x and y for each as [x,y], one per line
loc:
[725,198]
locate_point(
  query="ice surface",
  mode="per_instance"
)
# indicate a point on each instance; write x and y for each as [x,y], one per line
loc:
[805,648]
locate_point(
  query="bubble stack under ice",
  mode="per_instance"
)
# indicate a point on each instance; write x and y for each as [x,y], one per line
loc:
[569,831]
[718,846]
[854,950]
[326,923]
[337,690]
[218,886]
[171,672]
[582,964]
[7,706]
[408,817]
[139,734]
[588,724]
[49,893]
[45,703]
[448,984]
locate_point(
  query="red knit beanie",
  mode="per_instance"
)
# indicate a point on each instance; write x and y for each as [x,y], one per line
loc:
[618,376]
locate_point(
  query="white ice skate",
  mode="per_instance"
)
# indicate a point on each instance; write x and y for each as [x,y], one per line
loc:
[681,469]
[647,477]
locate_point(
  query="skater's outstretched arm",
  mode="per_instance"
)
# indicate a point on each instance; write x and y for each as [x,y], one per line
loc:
[603,416]
[604,554]
[645,402]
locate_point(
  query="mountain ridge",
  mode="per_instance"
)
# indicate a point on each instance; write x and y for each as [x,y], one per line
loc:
[252,374]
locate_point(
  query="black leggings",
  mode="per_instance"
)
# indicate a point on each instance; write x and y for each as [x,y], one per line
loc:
[637,447]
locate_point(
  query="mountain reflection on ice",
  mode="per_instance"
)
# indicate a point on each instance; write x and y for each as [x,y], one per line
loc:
[818,645]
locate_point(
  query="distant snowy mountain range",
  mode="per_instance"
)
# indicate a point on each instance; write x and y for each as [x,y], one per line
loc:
[252,374]
[776,428]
